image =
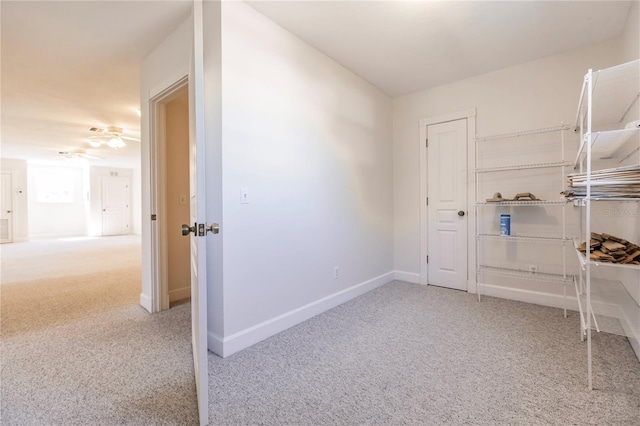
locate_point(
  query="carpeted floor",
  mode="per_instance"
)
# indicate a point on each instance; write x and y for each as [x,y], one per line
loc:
[422,355]
[76,347]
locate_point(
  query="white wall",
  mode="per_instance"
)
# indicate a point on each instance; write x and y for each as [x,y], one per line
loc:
[536,94]
[57,219]
[168,63]
[136,201]
[312,143]
[96,174]
[631,34]
[18,170]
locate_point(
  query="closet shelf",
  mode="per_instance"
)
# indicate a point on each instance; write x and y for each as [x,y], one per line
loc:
[615,93]
[523,167]
[608,119]
[523,238]
[614,310]
[522,133]
[525,275]
[582,201]
[609,145]
[582,259]
[523,203]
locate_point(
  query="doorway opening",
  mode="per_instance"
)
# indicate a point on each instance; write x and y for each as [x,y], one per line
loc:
[171,278]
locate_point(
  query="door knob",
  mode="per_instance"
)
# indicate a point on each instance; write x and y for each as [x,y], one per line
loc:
[8,211]
[186,230]
[213,228]
[461,213]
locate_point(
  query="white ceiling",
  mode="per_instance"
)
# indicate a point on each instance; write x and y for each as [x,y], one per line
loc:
[67,66]
[405,46]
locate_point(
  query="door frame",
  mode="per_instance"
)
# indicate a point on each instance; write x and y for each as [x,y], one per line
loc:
[470,116]
[11,227]
[158,183]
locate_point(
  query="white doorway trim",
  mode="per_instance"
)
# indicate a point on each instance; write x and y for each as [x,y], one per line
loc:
[470,115]
[158,183]
[8,208]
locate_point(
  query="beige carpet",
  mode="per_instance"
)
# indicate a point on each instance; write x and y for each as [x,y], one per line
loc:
[406,354]
[76,346]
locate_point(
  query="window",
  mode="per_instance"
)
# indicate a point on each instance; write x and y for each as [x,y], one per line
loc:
[55,187]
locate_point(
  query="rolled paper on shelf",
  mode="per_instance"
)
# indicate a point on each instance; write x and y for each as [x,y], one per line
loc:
[633,125]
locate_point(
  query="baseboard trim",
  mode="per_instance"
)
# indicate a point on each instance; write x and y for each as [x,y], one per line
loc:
[409,277]
[238,341]
[528,296]
[215,343]
[179,294]
[145,302]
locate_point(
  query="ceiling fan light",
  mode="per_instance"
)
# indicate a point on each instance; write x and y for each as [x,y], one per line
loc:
[116,143]
[95,143]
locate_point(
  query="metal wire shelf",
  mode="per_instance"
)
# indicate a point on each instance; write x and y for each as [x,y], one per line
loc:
[525,275]
[526,203]
[524,238]
[523,167]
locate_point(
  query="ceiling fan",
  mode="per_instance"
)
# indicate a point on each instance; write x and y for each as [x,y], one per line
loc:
[77,154]
[110,136]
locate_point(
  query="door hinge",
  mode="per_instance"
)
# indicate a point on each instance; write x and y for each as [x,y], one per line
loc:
[153,217]
[427,259]
[427,200]
[426,143]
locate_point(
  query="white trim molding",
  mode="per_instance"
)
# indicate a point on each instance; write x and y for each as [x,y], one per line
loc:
[410,277]
[243,339]
[145,302]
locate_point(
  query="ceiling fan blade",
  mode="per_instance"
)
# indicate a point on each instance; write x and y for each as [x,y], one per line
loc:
[130,138]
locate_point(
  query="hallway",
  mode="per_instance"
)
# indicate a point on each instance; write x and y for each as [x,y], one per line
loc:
[76,346]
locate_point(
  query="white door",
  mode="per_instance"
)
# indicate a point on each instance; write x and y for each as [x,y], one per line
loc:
[198,216]
[115,206]
[447,208]
[6,204]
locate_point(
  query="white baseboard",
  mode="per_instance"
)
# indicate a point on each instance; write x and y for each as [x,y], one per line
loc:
[179,294]
[252,335]
[528,296]
[215,343]
[145,302]
[409,277]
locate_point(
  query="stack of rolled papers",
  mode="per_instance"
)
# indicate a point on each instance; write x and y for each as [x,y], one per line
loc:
[621,182]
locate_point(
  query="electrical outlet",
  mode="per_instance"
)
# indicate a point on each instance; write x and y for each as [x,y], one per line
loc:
[335,273]
[533,269]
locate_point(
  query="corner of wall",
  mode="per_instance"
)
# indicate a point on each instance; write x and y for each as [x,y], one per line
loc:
[252,335]
[631,34]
